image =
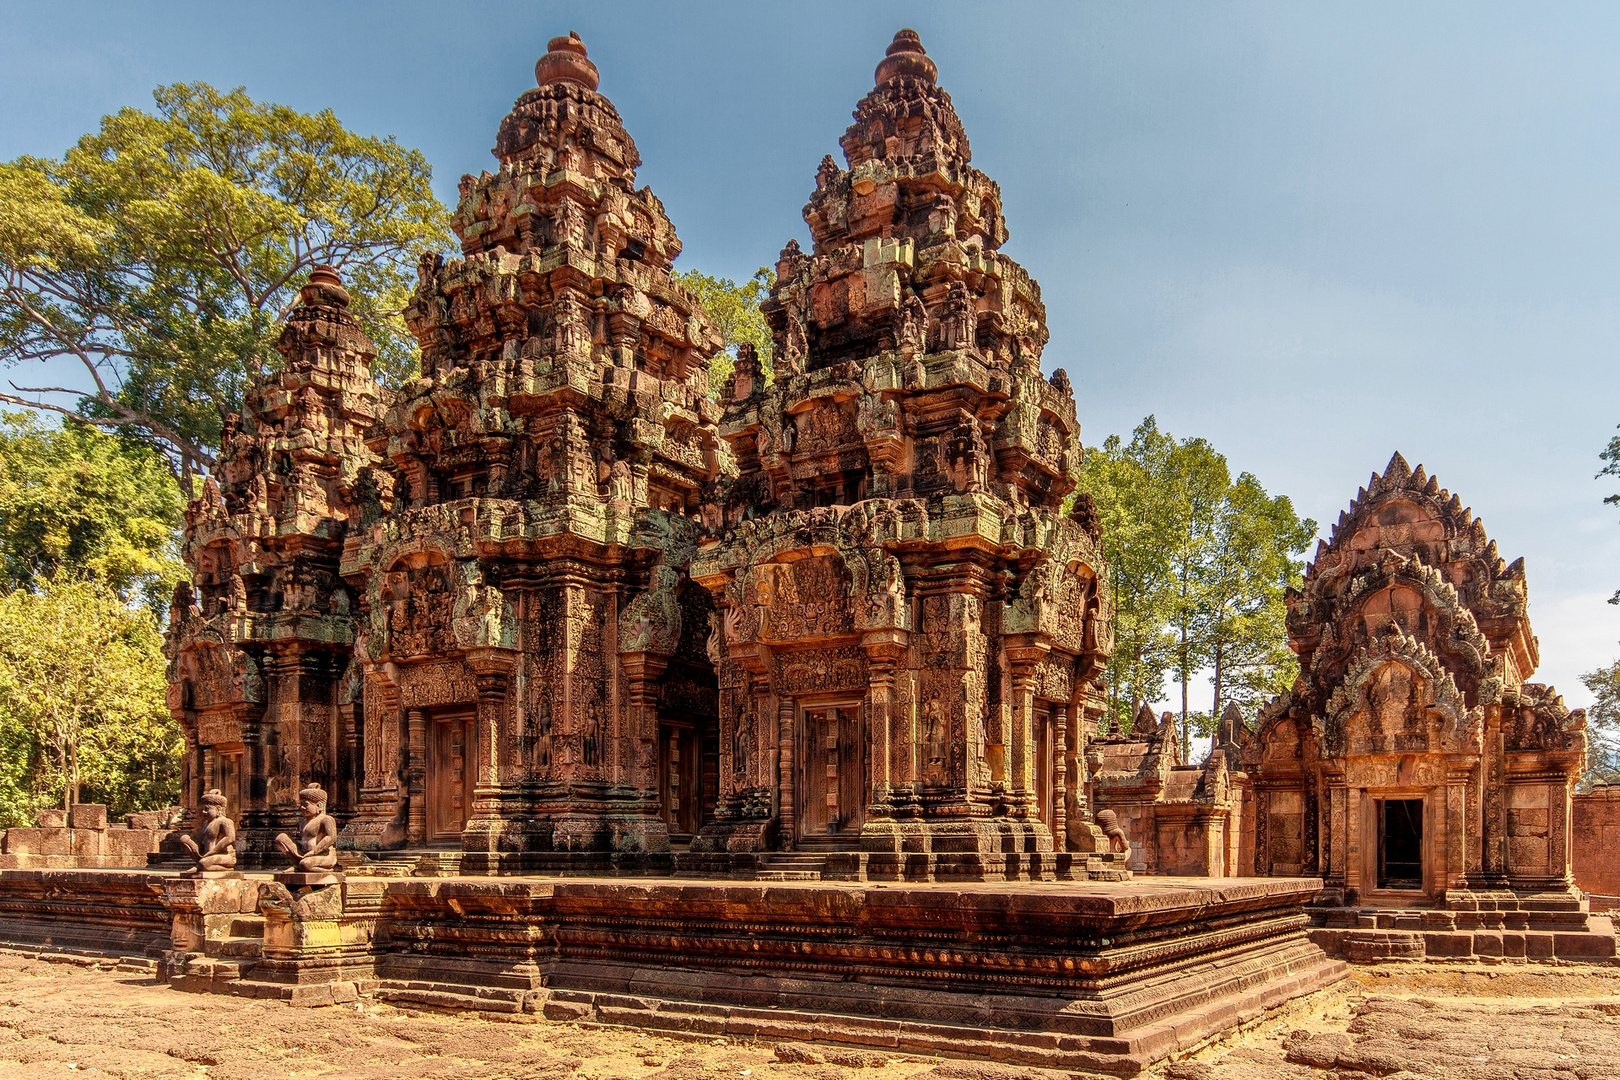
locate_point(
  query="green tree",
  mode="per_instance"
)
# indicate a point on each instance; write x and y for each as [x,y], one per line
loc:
[77,502]
[162,251]
[1192,493]
[1611,457]
[734,310]
[1603,727]
[1251,562]
[82,683]
[1126,482]
[1199,563]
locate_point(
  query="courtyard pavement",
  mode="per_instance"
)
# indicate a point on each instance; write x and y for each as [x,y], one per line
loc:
[66,1019]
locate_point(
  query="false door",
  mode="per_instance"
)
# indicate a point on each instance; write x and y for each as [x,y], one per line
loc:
[452,761]
[832,776]
[679,795]
[1041,746]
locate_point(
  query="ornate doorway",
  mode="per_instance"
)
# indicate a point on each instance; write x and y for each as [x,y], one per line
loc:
[1042,746]
[832,773]
[452,762]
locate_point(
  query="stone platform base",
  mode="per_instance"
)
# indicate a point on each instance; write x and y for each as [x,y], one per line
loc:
[1101,976]
[917,867]
[1491,926]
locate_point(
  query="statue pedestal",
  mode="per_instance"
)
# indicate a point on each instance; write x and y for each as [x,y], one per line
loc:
[211,875]
[296,880]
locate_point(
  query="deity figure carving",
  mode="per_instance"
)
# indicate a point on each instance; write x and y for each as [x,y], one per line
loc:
[314,851]
[213,846]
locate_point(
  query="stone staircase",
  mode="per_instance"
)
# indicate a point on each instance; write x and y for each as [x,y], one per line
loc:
[223,960]
[791,866]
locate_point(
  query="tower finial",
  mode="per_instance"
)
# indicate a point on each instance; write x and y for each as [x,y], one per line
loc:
[565,61]
[905,56]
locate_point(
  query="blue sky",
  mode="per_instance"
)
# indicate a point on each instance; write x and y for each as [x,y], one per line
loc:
[1312,234]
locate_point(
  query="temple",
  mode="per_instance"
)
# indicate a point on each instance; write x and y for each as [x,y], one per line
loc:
[913,630]
[1413,766]
[552,607]
[498,670]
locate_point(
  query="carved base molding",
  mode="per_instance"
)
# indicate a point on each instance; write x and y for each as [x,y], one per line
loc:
[1108,977]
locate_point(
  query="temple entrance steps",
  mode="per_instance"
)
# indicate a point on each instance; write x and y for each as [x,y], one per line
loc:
[790,866]
[1515,929]
[223,960]
[245,940]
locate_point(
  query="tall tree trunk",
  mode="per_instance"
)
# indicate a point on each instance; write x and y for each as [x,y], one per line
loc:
[67,778]
[1186,662]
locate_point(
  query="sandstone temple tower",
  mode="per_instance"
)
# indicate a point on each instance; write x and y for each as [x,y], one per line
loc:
[552,606]
[912,630]
[262,679]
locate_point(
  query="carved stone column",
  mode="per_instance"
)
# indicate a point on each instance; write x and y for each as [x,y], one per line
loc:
[416,775]
[1335,820]
[1458,855]
[1023,653]
[885,649]
[643,670]
[785,768]
[379,764]
[488,823]
[1060,776]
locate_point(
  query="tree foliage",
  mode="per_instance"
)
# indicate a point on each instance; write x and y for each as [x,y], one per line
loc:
[161,252]
[82,711]
[734,309]
[1199,562]
[77,502]
[1603,726]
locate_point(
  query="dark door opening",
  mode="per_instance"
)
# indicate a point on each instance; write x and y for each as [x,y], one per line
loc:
[1045,807]
[1400,843]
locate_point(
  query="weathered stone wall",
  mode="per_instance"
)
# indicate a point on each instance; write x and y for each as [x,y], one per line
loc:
[83,837]
[1595,840]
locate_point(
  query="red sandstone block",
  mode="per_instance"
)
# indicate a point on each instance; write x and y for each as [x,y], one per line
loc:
[1488,943]
[46,841]
[1448,944]
[1538,945]
[1513,944]
[1593,946]
[87,816]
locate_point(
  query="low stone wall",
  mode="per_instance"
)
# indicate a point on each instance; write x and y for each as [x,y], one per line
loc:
[1595,845]
[94,912]
[81,837]
[1101,976]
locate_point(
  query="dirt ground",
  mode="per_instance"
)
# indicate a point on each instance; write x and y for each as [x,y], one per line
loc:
[60,1020]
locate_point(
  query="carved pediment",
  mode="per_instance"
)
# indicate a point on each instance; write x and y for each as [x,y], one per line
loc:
[1397,697]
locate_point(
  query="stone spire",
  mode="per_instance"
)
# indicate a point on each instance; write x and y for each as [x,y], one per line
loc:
[906,57]
[908,412]
[565,61]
